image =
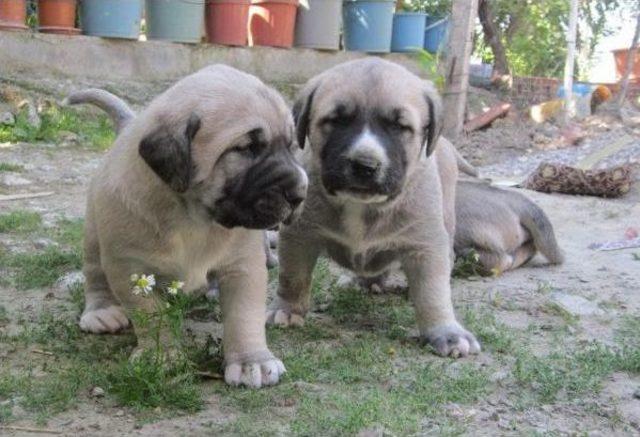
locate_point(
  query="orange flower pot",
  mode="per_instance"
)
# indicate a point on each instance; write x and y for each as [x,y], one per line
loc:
[13,14]
[57,16]
[272,22]
[226,21]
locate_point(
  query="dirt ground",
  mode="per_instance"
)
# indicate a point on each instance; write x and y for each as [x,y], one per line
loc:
[561,350]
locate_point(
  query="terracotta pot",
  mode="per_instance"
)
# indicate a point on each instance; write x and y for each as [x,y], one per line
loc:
[272,22]
[57,16]
[226,21]
[13,14]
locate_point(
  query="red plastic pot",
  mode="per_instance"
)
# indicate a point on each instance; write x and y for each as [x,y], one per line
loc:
[226,21]
[57,16]
[13,14]
[272,22]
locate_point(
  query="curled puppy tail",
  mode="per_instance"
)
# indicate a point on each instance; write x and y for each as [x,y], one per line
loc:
[464,166]
[534,219]
[113,105]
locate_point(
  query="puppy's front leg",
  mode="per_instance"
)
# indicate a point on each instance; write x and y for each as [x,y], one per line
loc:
[243,294]
[430,290]
[298,258]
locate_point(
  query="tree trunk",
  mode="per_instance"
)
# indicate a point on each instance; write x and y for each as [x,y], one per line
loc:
[492,37]
[568,66]
[631,57]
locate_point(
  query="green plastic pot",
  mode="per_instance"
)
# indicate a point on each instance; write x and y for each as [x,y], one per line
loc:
[175,20]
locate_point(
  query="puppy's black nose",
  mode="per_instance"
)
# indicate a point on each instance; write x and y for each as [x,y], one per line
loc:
[364,167]
[294,198]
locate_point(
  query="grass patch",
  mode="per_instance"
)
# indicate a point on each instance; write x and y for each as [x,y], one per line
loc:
[9,167]
[570,375]
[493,335]
[69,232]
[627,332]
[149,382]
[468,265]
[20,222]
[94,131]
[42,269]
[48,394]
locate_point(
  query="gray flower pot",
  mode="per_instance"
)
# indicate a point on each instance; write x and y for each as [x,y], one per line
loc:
[318,24]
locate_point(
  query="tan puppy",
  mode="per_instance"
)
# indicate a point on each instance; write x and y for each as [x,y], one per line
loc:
[185,192]
[380,189]
[505,228]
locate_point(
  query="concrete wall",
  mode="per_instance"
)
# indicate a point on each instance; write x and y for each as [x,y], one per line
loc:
[37,55]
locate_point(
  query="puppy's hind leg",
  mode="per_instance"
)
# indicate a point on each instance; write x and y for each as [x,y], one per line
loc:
[297,261]
[102,311]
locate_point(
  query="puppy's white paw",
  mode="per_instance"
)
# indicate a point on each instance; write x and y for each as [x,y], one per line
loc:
[284,318]
[452,341]
[254,374]
[110,319]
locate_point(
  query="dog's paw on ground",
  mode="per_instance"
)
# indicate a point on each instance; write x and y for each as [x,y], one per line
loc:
[284,318]
[452,341]
[104,320]
[254,374]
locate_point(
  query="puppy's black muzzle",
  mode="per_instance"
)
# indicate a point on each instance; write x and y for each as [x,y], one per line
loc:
[267,194]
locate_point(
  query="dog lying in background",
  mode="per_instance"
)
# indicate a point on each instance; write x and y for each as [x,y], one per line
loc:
[503,227]
[186,192]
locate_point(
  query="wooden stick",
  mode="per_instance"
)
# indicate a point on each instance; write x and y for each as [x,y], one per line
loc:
[38,351]
[27,429]
[484,119]
[25,196]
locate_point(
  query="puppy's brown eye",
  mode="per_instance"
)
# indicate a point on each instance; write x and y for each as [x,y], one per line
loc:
[256,148]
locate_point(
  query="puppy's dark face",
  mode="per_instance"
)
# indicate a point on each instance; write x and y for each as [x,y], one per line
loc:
[363,155]
[253,181]
[368,122]
[264,185]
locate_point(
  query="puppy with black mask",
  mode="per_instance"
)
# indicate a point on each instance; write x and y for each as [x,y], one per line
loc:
[381,194]
[186,191]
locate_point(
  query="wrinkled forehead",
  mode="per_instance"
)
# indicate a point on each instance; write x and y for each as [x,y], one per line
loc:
[391,94]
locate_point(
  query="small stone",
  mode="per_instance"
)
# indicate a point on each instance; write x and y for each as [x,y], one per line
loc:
[12,180]
[43,243]
[576,305]
[7,119]
[636,394]
[499,376]
[32,114]
[70,279]
[97,392]
[119,413]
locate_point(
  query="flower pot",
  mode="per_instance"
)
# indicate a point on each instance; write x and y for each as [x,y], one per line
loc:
[226,21]
[175,20]
[272,22]
[368,25]
[408,32]
[318,24]
[13,14]
[57,16]
[111,18]
[436,33]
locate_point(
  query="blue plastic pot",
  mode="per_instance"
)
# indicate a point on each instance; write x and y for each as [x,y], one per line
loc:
[175,20]
[368,25]
[111,18]
[408,31]
[580,89]
[436,33]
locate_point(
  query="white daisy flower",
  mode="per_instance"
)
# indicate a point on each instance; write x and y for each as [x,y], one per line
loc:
[143,284]
[175,287]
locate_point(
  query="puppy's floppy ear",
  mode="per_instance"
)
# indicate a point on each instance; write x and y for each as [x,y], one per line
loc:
[301,111]
[433,129]
[168,153]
